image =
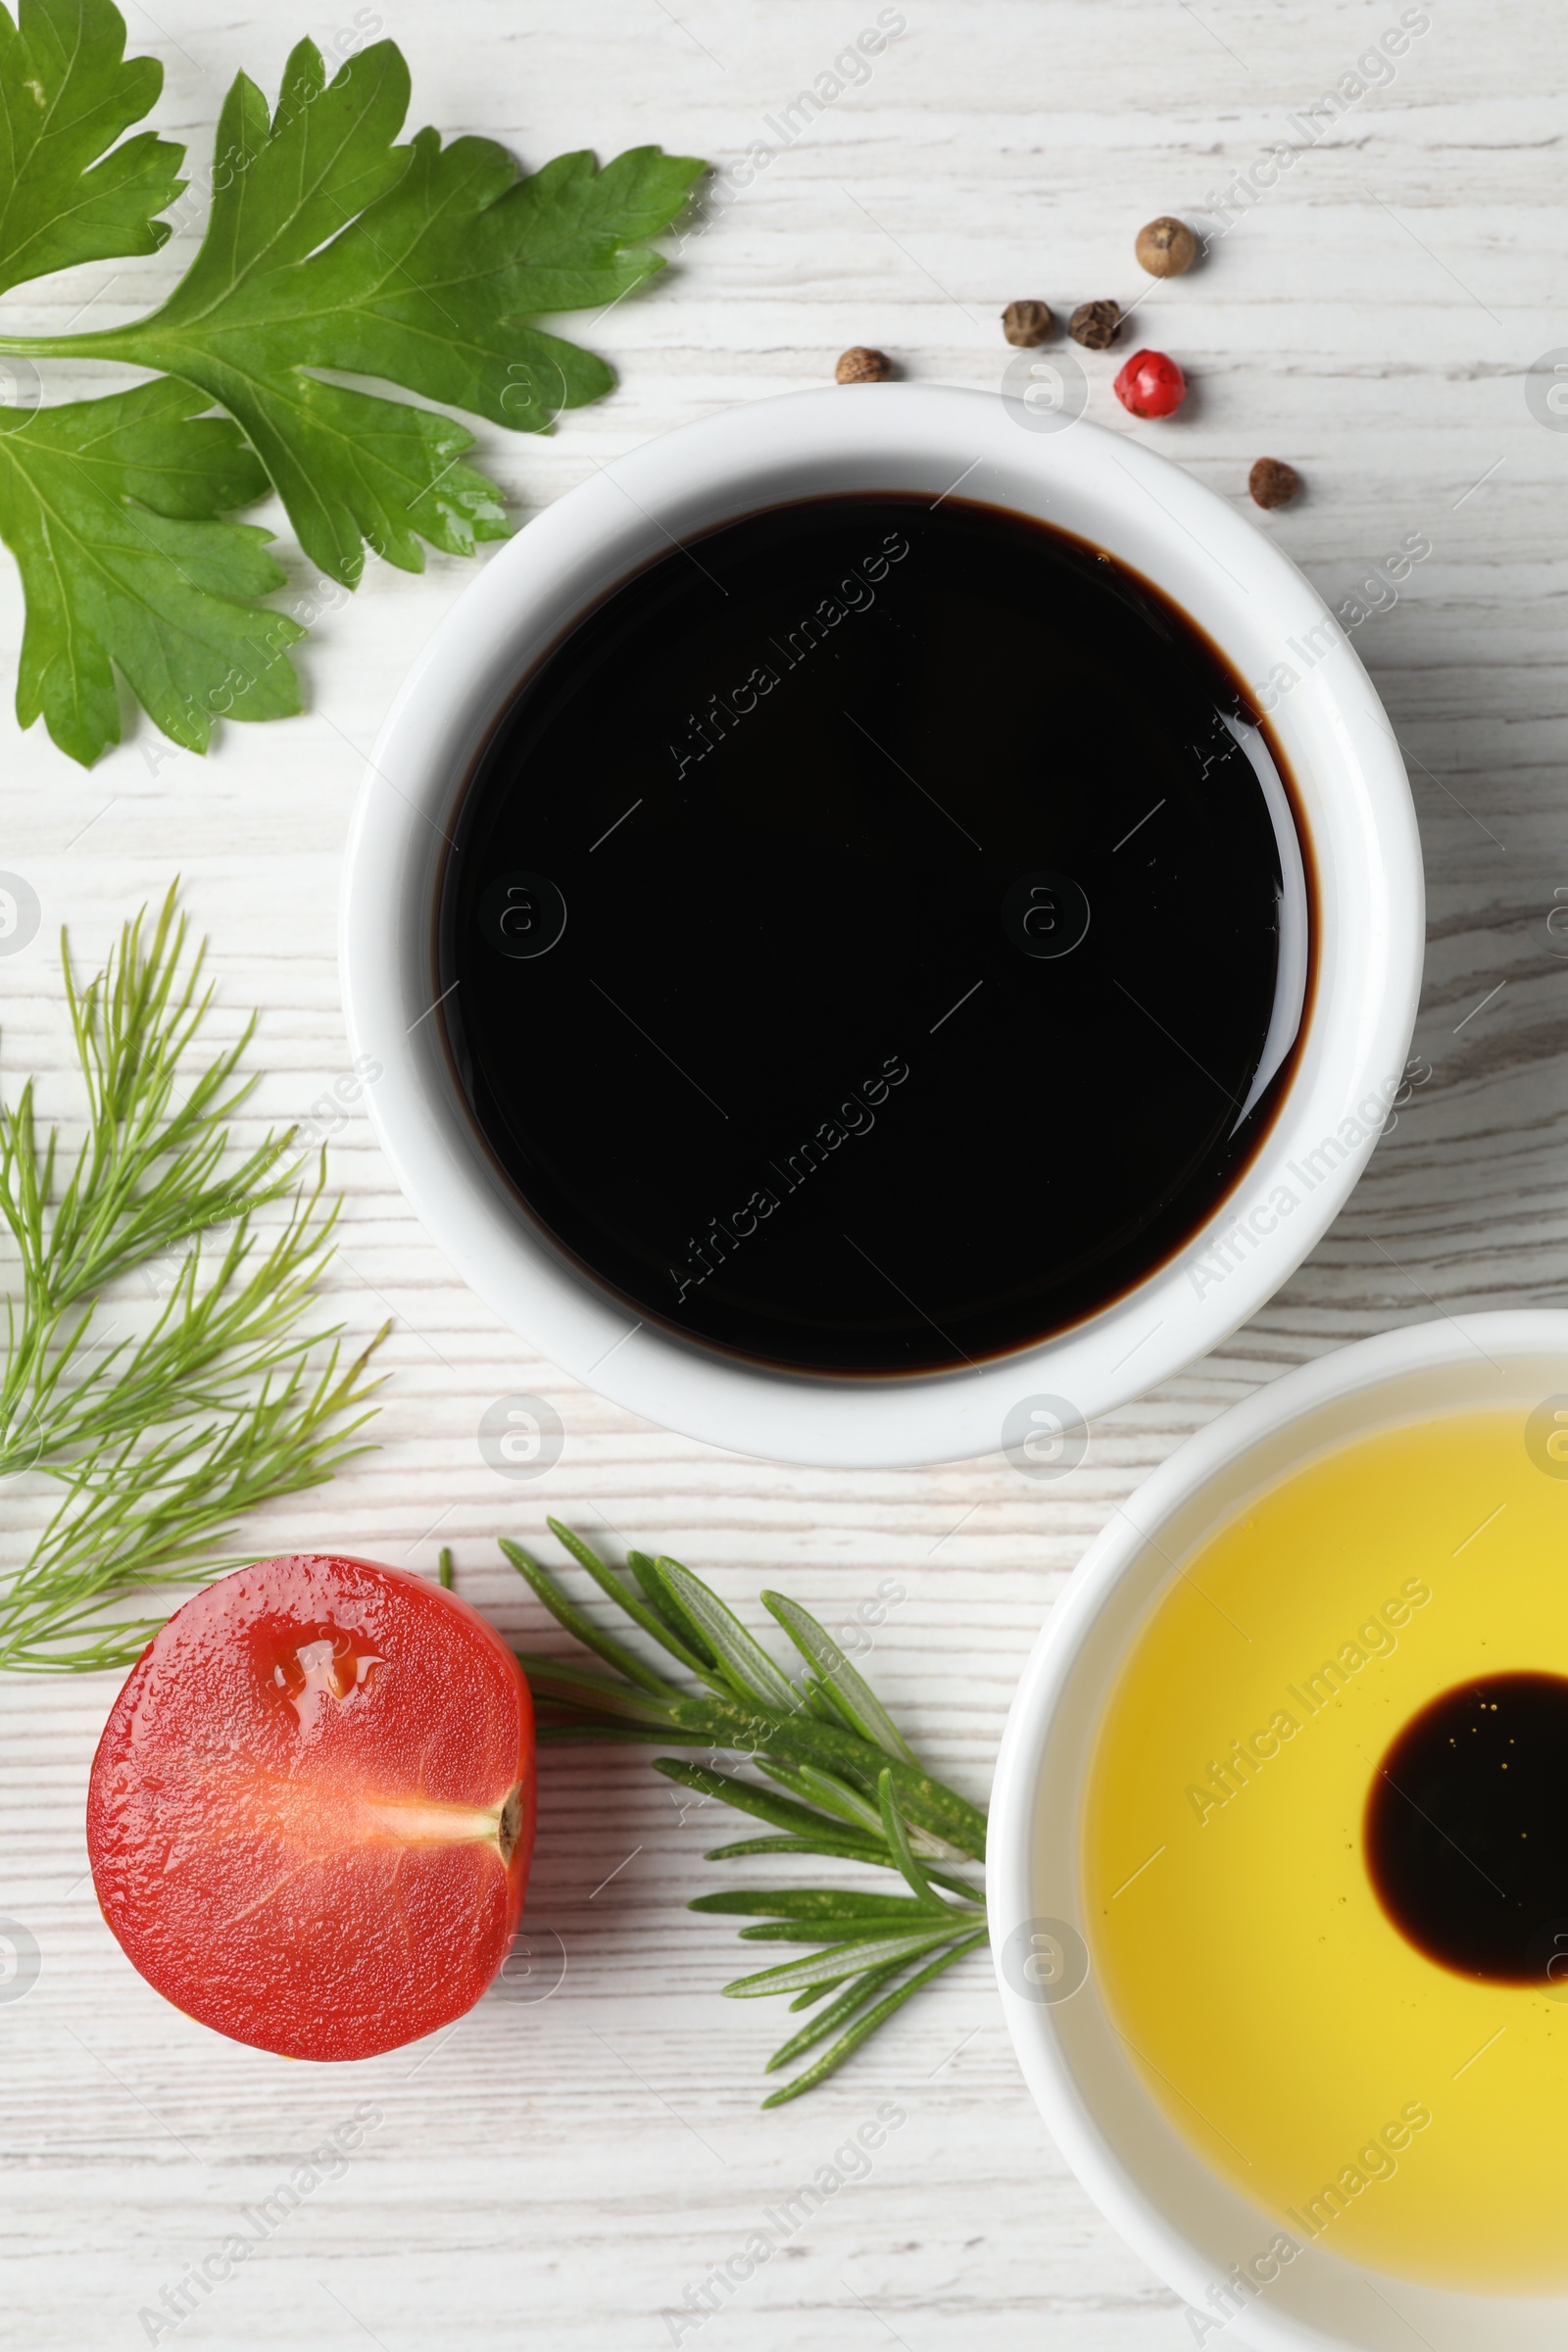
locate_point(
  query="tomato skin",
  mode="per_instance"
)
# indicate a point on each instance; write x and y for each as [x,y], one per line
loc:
[1151,386]
[312,1810]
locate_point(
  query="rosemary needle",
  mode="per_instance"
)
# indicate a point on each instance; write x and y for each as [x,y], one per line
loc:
[856,1791]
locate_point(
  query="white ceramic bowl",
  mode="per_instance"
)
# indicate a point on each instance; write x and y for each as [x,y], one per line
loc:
[1191,2226]
[1108,488]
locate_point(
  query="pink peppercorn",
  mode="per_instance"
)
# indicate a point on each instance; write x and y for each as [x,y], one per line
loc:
[1151,384]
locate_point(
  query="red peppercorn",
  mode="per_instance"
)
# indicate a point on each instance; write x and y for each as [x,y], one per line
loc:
[1151,386]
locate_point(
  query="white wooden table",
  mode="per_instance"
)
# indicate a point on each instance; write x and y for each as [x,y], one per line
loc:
[586,2146]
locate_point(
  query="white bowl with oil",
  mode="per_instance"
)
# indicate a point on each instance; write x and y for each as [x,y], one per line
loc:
[1214,2245]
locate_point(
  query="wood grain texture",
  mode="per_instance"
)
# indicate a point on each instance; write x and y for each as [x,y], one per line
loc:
[562,2166]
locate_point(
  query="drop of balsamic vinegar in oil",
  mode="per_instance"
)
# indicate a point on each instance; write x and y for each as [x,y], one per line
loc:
[1466,1830]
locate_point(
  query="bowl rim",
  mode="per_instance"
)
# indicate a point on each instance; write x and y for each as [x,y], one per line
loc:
[1357,1369]
[1364,840]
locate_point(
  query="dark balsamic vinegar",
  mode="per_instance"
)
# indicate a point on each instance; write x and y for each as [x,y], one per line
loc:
[1467,1829]
[864,936]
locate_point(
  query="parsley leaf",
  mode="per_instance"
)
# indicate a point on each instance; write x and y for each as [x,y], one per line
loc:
[67,92]
[110,508]
[332,247]
[331,250]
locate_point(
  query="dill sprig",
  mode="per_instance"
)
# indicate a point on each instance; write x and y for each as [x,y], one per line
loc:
[161,1441]
[854,1790]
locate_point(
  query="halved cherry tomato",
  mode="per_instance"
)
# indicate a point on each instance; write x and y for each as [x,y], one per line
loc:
[312,1810]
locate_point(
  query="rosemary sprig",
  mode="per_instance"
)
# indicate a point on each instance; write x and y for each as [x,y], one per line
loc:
[854,1790]
[160,1441]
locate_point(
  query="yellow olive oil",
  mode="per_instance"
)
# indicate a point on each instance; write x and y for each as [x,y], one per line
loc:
[1311,1896]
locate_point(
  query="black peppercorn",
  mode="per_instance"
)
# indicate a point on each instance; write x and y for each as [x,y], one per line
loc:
[1094,324]
[1027,323]
[1272,482]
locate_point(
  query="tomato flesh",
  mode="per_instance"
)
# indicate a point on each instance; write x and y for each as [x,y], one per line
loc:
[312,1810]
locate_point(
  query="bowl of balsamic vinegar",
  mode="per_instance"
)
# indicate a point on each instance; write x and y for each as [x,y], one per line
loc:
[887,932]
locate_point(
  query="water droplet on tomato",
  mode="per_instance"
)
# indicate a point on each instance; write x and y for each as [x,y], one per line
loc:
[328,1666]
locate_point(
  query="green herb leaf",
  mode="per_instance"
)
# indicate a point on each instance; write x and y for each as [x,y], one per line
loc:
[652,1621]
[156,1510]
[67,92]
[154,1172]
[841,1848]
[810,1832]
[603,1645]
[579,1686]
[814,1993]
[824,1789]
[851,1929]
[744,1795]
[550,1732]
[744,1661]
[830,1767]
[828,1903]
[858,1702]
[831,2060]
[844,1847]
[662,1601]
[828,2021]
[857,1793]
[828,1966]
[898,1838]
[159,1444]
[331,246]
[110,508]
[822,1703]
[63,1390]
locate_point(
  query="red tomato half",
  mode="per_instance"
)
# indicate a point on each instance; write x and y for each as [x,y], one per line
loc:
[312,1807]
